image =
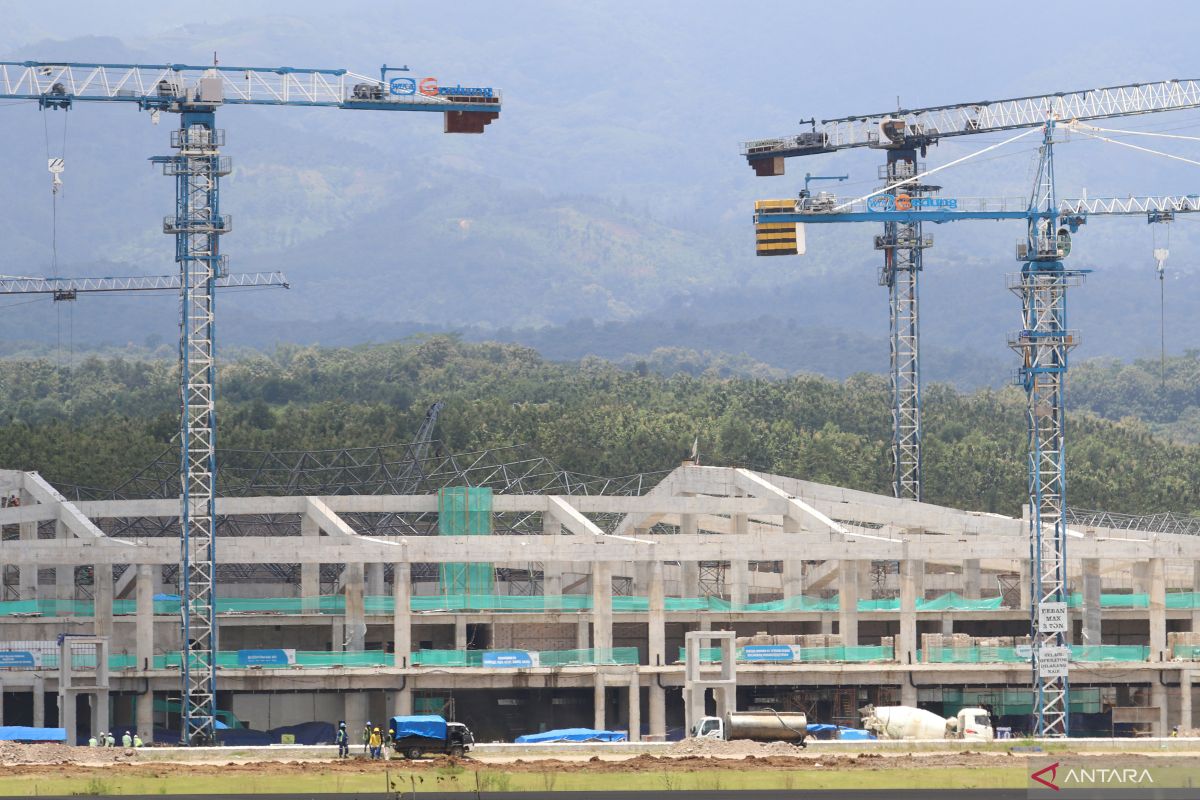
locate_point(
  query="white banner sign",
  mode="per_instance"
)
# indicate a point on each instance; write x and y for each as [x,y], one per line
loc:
[1052,618]
[1053,662]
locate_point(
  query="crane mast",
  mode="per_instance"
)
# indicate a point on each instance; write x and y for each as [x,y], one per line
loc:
[195,93]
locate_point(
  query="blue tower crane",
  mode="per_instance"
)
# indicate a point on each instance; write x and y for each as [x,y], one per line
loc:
[1043,344]
[906,135]
[195,93]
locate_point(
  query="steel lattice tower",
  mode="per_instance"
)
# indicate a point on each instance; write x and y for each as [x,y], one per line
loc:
[197,226]
[902,244]
[1043,344]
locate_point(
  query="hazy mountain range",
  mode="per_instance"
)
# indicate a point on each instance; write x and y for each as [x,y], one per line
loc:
[608,211]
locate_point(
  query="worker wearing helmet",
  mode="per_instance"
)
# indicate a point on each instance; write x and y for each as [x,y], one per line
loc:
[376,742]
[366,736]
[343,741]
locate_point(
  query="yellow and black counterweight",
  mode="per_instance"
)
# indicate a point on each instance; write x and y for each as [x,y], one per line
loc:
[774,238]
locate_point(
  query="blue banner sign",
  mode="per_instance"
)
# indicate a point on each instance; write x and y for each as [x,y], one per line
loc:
[906,202]
[402,86]
[767,652]
[17,659]
[266,658]
[511,659]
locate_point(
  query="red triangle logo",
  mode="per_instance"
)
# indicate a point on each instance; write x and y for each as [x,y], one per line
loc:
[1053,770]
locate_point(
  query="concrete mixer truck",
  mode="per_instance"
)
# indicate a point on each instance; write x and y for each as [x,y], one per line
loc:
[906,722]
[757,726]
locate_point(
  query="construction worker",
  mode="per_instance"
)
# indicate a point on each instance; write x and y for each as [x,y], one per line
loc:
[92,742]
[389,743]
[1175,731]
[376,742]
[127,741]
[366,736]
[137,741]
[343,741]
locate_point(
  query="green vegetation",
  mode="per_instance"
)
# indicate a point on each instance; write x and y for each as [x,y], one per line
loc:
[96,424]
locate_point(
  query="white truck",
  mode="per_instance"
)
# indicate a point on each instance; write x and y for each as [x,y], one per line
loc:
[757,726]
[906,722]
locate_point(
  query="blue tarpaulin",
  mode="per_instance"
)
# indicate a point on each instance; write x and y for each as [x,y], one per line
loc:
[572,735]
[427,726]
[838,731]
[19,733]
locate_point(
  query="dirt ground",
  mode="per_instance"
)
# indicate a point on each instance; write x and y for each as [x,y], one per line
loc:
[686,756]
[18,760]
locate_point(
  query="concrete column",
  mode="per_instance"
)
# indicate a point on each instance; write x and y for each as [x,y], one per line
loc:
[689,579]
[100,721]
[460,633]
[144,589]
[848,601]
[1090,629]
[1158,700]
[64,576]
[1196,595]
[635,707]
[740,523]
[972,582]
[793,578]
[310,574]
[402,699]
[908,693]
[375,581]
[598,706]
[28,532]
[582,634]
[552,571]
[739,581]
[337,634]
[39,702]
[947,624]
[355,714]
[1026,582]
[1185,699]
[356,621]
[66,715]
[688,524]
[658,711]
[145,716]
[826,623]
[102,595]
[402,617]
[656,633]
[1,703]
[602,607]
[1158,608]
[912,578]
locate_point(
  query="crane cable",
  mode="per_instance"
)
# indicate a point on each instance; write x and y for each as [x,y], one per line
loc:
[56,165]
[1079,128]
[928,172]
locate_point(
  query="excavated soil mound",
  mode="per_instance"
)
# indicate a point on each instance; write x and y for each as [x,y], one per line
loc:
[12,753]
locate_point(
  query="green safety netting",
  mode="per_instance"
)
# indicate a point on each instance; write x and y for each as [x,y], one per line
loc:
[465,511]
[486,601]
[1005,655]
[1016,702]
[1186,651]
[545,658]
[800,655]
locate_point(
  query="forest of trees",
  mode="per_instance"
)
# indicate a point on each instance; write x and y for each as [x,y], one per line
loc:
[95,424]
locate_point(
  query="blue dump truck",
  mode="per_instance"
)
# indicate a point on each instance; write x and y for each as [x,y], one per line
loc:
[429,733]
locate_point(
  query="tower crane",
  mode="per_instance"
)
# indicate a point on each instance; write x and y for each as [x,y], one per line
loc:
[195,93]
[904,135]
[1043,343]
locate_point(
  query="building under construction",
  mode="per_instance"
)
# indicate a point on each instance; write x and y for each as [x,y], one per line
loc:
[359,584]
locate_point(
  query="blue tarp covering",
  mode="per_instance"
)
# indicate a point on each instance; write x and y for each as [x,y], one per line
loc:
[572,735]
[427,726]
[160,598]
[19,733]
[307,732]
[838,731]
